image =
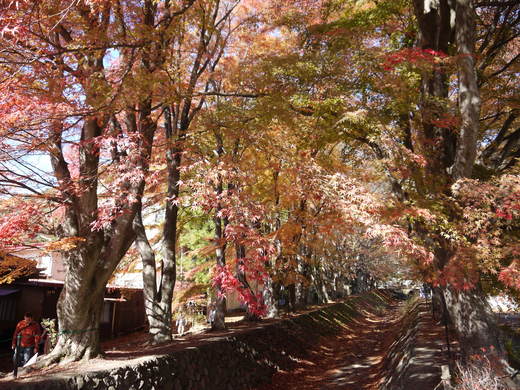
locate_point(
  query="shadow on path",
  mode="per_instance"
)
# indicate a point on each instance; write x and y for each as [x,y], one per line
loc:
[356,359]
[351,360]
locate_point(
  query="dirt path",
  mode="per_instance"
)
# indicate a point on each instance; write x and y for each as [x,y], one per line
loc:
[133,348]
[351,360]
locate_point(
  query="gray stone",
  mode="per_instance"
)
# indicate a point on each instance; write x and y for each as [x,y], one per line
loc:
[80,382]
[116,379]
[129,375]
[108,381]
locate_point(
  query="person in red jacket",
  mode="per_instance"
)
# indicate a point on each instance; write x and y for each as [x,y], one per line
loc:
[29,332]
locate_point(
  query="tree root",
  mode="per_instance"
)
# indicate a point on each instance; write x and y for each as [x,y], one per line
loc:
[60,356]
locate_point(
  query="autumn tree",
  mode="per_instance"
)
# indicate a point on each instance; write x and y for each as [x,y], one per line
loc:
[400,108]
[65,76]
[194,57]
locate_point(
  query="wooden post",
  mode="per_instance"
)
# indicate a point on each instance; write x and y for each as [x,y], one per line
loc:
[446,377]
[113,318]
[16,356]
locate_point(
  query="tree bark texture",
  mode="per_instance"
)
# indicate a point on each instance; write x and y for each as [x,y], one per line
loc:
[469,95]
[476,328]
[158,327]
[271,295]
[436,21]
[99,250]
[79,309]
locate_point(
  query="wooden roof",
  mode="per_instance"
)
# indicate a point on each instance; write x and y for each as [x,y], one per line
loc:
[13,268]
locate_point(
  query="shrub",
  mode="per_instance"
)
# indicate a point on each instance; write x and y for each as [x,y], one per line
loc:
[478,375]
[49,325]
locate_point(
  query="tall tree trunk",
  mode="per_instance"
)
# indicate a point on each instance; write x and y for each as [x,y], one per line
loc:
[157,326]
[171,210]
[99,249]
[219,321]
[435,20]
[159,295]
[302,289]
[469,95]
[271,292]
[178,117]
[468,309]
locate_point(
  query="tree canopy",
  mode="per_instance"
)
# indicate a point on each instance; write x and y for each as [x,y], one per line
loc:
[299,145]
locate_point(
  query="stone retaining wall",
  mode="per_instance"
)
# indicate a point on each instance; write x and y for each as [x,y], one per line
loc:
[240,361]
[414,360]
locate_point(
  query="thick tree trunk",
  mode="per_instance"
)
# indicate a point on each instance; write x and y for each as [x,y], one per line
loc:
[159,295]
[469,314]
[473,320]
[469,95]
[435,20]
[81,301]
[78,324]
[171,211]
[91,263]
[477,330]
[79,310]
